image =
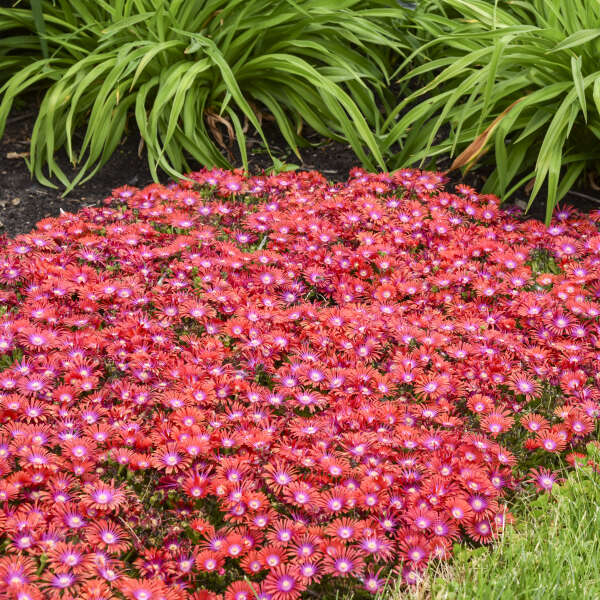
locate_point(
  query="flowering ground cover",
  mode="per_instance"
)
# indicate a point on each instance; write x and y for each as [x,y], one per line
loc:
[262,387]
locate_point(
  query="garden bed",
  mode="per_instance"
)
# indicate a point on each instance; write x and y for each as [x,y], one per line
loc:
[299,378]
[281,385]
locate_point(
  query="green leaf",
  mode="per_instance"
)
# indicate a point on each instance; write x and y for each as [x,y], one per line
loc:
[40,25]
[577,39]
[596,94]
[579,84]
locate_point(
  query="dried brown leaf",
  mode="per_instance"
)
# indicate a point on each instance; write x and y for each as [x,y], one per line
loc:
[477,147]
[15,155]
[213,120]
[593,183]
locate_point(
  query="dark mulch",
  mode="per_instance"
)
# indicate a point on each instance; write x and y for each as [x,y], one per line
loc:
[23,201]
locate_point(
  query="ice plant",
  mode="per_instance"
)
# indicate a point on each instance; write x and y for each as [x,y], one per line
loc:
[253,387]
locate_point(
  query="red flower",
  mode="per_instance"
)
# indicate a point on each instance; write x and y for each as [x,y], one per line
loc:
[284,583]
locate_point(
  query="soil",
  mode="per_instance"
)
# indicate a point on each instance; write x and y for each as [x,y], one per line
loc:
[23,201]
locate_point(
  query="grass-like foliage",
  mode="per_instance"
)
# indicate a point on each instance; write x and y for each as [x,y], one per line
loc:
[521,78]
[552,552]
[191,76]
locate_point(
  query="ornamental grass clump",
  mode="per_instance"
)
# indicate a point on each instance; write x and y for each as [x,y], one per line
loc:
[196,78]
[262,387]
[517,79]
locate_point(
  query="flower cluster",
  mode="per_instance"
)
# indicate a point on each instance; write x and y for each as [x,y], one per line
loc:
[246,387]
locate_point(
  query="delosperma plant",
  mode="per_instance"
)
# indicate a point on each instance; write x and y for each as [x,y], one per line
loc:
[261,387]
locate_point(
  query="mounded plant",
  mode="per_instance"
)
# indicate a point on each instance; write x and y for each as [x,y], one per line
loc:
[518,78]
[270,387]
[192,76]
